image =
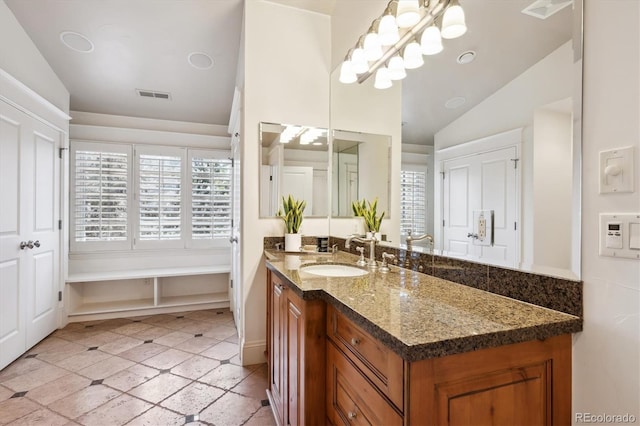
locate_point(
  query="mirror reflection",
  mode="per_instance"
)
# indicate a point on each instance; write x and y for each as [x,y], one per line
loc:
[294,160]
[360,170]
[491,133]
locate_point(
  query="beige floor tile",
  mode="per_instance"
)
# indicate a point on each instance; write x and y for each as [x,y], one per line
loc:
[262,417]
[195,367]
[226,376]
[160,387]
[173,339]
[179,323]
[131,377]
[197,344]
[59,388]
[118,411]
[75,335]
[49,344]
[41,417]
[167,359]
[19,367]
[142,352]
[62,353]
[159,319]
[192,399]
[122,344]
[151,333]
[221,332]
[5,393]
[201,315]
[221,351]
[82,360]
[112,323]
[198,327]
[132,328]
[83,401]
[241,407]
[232,339]
[106,368]
[35,378]
[254,386]
[14,408]
[99,339]
[158,416]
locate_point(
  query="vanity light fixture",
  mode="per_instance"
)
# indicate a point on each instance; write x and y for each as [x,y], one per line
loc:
[414,20]
[396,68]
[383,80]
[289,133]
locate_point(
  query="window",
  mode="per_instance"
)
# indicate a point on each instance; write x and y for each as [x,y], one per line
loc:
[144,197]
[413,204]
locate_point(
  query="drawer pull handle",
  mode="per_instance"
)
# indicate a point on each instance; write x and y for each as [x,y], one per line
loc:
[355,341]
[352,415]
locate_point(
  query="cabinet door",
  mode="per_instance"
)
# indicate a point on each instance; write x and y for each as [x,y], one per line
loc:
[294,353]
[277,354]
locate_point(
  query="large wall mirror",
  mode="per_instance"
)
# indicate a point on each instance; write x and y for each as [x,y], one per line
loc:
[294,160]
[491,137]
[360,170]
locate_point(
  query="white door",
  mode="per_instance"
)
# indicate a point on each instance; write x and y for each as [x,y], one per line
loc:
[297,181]
[485,181]
[29,192]
[235,288]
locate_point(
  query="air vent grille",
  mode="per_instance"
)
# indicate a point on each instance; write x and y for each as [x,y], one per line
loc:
[153,94]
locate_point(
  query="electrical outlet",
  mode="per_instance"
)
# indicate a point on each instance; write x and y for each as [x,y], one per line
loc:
[482,228]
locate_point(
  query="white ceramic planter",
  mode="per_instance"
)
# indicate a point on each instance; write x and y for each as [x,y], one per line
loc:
[292,242]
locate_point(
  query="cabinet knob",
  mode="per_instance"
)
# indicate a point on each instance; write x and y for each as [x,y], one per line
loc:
[355,341]
[352,415]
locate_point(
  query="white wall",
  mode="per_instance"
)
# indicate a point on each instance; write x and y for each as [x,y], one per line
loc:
[606,372]
[21,59]
[287,65]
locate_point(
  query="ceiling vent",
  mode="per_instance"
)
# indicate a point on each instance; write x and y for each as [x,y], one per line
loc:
[542,9]
[153,94]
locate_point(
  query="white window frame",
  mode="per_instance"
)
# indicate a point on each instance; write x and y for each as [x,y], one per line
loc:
[423,168]
[88,246]
[204,243]
[138,243]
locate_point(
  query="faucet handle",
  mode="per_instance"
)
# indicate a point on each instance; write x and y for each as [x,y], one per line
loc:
[361,261]
[384,268]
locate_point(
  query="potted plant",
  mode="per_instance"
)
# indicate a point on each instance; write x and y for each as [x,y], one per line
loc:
[369,211]
[291,214]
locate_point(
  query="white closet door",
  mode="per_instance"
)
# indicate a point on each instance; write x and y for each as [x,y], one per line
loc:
[29,193]
[486,181]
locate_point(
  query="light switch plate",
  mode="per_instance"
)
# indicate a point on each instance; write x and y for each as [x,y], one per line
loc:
[617,170]
[626,227]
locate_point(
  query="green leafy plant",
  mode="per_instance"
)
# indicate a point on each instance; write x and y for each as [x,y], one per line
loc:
[369,211]
[291,213]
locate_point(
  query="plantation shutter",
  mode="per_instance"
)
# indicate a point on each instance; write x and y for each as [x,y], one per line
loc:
[100,189]
[159,195]
[210,197]
[413,203]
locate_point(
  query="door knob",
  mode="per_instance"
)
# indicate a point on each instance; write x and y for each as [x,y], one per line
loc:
[36,243]
[25,244]
[474,236]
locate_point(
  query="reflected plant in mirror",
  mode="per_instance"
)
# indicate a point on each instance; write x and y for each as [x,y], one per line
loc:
[491,139]
[294,161]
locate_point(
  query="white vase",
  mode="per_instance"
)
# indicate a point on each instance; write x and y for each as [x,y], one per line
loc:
[378,235]
[368,235]
[292,242]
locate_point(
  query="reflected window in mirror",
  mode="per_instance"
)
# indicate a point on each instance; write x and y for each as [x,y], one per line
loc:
[360,171]
[294,160]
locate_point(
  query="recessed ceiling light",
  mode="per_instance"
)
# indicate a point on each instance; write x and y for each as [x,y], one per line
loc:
[466,57]
[543,9]
[76,41]
[200,60]
[455,102]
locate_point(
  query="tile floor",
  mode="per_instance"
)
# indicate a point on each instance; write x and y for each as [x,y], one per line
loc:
[169,369]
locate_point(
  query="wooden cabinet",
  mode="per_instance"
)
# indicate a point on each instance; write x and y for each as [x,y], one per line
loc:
[296,354]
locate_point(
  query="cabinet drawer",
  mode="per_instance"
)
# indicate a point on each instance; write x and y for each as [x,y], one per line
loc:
[351,399]
[377,362]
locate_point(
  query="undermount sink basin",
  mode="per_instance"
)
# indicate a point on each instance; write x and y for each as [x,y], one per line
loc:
[334,270]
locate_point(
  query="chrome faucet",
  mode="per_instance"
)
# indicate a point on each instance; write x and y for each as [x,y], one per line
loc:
[373,264]
[411,239]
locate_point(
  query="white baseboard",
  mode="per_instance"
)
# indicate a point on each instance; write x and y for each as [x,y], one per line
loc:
[253,352]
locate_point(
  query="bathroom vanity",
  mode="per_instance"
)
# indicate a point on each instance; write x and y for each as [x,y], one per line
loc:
[406,348]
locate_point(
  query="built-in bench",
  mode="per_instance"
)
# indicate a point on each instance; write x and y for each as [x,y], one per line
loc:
[102,295]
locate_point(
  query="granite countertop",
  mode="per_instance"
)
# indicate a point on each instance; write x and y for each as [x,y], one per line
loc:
[417,315]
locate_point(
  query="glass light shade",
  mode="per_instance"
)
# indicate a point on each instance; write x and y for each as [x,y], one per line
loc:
[359,63]
[408,13]
[372,47]
[382,79]
[431,42]
[347,76]
[388,31]
[453,22]
[413,56]
[396,68]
